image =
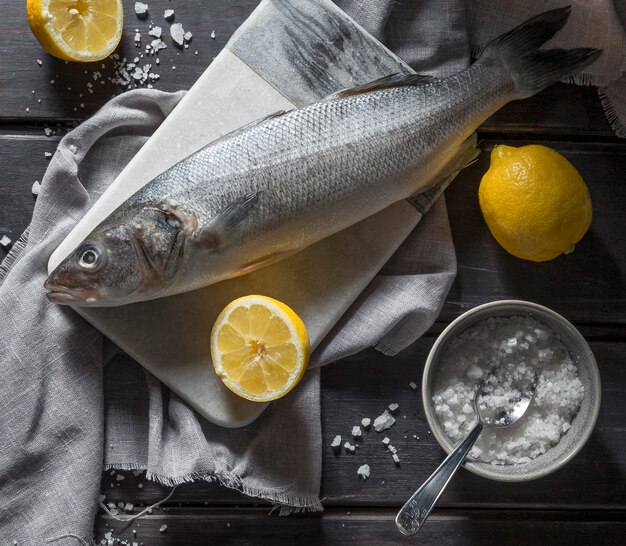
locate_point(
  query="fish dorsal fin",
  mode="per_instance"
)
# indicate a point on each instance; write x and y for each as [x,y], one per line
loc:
[386,82]
[218,231]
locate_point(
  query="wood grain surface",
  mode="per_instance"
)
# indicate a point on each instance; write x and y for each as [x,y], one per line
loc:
[583,503]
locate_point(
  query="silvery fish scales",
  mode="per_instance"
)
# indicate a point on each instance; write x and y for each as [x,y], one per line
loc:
[282,183]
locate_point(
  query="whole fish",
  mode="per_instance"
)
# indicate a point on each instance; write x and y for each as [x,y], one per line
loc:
[270,189]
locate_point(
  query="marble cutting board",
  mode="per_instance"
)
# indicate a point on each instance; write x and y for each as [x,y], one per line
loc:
[288,53]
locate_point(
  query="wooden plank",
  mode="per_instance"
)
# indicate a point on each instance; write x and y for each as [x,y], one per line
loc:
[255,528]
[563,109]
[593,273]
[363,386]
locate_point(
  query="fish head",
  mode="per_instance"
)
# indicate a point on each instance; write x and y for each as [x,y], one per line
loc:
[134,260]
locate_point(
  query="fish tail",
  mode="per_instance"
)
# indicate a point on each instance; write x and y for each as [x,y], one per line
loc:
[533,69]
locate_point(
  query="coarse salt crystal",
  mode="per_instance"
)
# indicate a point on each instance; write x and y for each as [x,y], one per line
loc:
[188,36]
[384,421]
[364,471]
[177,32]
[366,422]
[386,440]
[39,62]
[47,155]
[356,432]
[36,188]
[5,241]
[395,458]
[393,408]
[168,15]
[155,31]
[119,477]
[213,35]
[163,528]
[413,385]
[349,447]
[336,442]
[141,10]
[128,507]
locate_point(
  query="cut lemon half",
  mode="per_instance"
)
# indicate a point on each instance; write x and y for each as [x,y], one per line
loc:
[76,30]
[260,348]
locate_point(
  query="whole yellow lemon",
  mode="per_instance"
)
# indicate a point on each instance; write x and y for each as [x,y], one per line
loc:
[534,201]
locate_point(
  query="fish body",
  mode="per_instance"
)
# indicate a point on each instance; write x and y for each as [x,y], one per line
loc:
[280,184]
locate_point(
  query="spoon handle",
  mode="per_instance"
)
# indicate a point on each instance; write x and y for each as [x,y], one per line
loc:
[414,513]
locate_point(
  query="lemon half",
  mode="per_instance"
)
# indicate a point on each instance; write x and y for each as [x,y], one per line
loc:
[260,348]
[534,201]
[76,30]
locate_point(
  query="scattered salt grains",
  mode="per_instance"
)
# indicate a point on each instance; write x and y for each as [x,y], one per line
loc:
[155,31]
[163,528]
[393,408]
[413,385]
[386,440]
[47,131]
[336,443]
[187,36]
[520,345]
[129,507]
[395,458]
[168,15]
[39,62]
[119,477]
[356,432]
[384,421]
[36,188]
[213,35]
[5,241]
[364,471]
[349,447]
[366,422]
[140,485]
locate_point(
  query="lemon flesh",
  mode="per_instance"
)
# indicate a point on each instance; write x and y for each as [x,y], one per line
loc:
[535,202]
[260,348]
[76,30]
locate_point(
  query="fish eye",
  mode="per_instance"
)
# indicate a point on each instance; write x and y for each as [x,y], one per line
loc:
[90,257]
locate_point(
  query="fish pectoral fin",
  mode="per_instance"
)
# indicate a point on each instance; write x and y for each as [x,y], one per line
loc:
[216,233]
[263,261]
[386,82]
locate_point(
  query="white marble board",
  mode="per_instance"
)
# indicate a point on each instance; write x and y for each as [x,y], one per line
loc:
[277,60]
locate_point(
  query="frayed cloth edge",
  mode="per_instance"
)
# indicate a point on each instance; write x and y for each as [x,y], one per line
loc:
[285,503]
[14,255]
[618,125]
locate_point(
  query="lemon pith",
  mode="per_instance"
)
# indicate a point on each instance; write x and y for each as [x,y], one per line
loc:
[76,30]
[260,348]
[534,202]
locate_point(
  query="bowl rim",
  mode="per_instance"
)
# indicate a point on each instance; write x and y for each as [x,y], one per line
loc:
[433,421]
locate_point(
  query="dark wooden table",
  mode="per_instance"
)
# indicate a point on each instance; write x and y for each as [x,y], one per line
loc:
[584,503]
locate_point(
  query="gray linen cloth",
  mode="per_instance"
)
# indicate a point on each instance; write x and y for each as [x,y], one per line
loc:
[65,416]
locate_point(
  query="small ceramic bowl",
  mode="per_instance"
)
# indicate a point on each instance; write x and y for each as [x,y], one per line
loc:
[581,354]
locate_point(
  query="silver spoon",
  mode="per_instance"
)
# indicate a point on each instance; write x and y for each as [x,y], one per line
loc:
[493,410]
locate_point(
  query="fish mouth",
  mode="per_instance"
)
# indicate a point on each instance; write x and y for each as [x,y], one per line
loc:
[65,295]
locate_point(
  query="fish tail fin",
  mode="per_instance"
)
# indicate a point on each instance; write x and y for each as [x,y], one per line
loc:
[533,69]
